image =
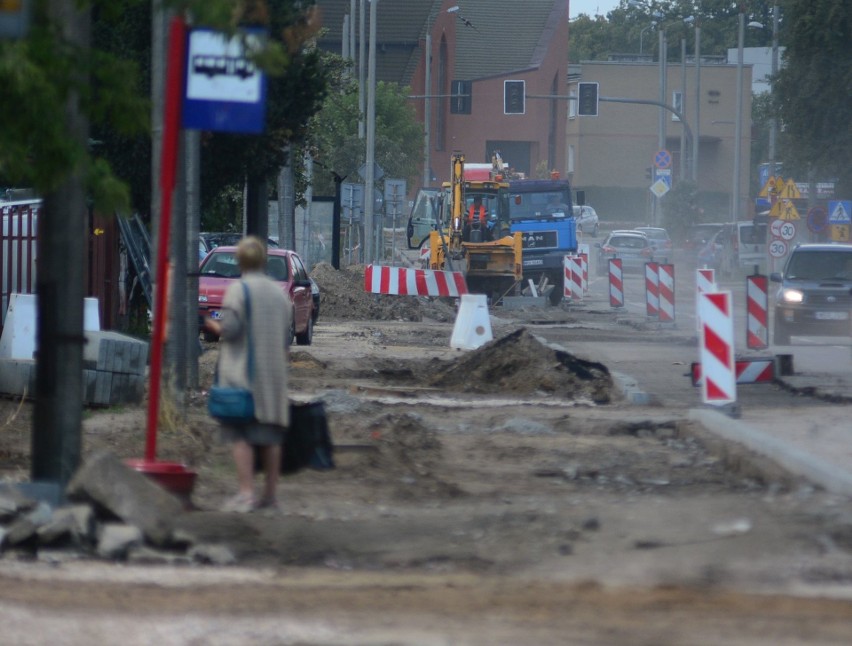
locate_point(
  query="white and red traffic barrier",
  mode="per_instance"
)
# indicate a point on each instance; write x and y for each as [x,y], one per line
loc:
[584,251]
[748,371]
[401,281]
[757,306]
[616,283]
[719,386]
[573,278]
[666,292]
[705,281]
[652,290]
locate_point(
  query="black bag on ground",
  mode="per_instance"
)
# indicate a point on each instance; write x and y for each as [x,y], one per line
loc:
[307,442]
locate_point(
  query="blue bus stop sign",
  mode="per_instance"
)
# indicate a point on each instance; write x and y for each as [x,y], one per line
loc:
[224,91]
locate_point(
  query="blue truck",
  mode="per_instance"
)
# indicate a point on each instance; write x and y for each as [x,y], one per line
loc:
[541,210]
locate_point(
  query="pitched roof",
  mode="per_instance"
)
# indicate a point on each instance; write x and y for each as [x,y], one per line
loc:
[507,35]
[400,25]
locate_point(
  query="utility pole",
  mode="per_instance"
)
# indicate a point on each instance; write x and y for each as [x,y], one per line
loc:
[773,122]
[369,175]
[58,415]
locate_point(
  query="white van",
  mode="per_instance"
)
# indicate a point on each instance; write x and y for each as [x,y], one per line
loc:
[750,245]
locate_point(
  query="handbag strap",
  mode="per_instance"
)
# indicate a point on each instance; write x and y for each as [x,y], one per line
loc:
[250,367]
[248,333]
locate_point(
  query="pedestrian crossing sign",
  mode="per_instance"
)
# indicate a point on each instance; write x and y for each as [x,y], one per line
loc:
[840,212]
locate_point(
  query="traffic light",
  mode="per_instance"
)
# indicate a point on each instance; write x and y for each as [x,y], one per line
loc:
[587,99]
[513,97]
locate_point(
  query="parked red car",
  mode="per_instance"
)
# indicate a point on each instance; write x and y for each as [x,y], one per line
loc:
[219,269]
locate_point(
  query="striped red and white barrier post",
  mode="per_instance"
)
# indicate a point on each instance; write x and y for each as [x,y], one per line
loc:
[616,283]
[666,275]
[573,272]
[757,307]
[402,281]
[719,385]
[584,252]
[749,371]
[652,290]
[705,281]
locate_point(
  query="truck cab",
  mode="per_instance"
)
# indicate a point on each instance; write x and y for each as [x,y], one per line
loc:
[541,210]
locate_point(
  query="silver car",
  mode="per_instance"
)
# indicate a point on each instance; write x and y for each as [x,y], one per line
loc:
[586,219]
[633,247]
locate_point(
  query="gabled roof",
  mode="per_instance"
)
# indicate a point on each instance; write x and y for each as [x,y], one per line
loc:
[507,35]
[399,27]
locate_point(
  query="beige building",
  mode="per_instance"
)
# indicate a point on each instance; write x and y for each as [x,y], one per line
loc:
[609,156]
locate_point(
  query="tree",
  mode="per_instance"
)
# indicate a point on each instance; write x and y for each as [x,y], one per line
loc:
[813,89]
[335,142]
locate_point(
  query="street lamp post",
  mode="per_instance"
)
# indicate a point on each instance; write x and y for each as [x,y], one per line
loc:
[697,121]
[773,123]
[738,123]
[642,35]
[738,127]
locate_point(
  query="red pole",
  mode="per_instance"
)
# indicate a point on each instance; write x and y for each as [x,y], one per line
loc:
[168,167]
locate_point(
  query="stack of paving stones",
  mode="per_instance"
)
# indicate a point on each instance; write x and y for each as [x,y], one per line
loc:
[114,367]
[113,512]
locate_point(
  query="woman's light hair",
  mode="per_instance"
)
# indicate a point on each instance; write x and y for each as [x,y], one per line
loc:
[251,254]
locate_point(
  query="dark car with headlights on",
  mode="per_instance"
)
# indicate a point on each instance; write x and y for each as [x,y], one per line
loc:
[815,293]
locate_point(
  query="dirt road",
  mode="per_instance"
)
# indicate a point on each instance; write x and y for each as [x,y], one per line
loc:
[505,495]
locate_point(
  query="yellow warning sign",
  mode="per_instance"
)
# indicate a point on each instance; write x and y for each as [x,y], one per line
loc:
[768,187]
[784,210]
[840,232]
[789,191]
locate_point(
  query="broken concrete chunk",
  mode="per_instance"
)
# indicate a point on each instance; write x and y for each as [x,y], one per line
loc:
[76,523]
[212,554]
[128,494]
[12,501]
[116,539]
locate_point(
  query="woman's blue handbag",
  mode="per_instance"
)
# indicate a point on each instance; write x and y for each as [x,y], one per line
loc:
[234,405]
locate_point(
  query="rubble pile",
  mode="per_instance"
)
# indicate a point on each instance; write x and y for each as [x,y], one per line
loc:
[342,297]
[521,363]
[113,512]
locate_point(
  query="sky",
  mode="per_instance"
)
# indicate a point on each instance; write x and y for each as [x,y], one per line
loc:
[591,7]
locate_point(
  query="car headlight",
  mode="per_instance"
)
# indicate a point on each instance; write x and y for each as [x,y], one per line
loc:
[202,298]
[792,296]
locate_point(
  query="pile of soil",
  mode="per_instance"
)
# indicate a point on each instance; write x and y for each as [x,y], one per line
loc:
[342,297]
[520,363]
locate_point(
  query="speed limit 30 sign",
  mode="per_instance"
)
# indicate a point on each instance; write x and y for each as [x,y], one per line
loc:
[784,229]
[778,248]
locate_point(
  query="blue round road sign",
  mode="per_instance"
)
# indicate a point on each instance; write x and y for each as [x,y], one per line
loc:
[663,159]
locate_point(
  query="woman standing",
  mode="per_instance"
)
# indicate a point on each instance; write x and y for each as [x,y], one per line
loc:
[261,328]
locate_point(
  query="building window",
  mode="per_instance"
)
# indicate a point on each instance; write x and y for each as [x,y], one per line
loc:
[570,158]
[677,103]
[572,102]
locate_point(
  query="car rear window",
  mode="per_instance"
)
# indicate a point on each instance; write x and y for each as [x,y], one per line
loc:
[629,242]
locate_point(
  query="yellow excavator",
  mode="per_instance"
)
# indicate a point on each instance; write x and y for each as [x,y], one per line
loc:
[475,239]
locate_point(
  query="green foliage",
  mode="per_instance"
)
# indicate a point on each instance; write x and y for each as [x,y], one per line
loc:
[813,90]
[625,27]
[680,209]
[40,75]
[337,148]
